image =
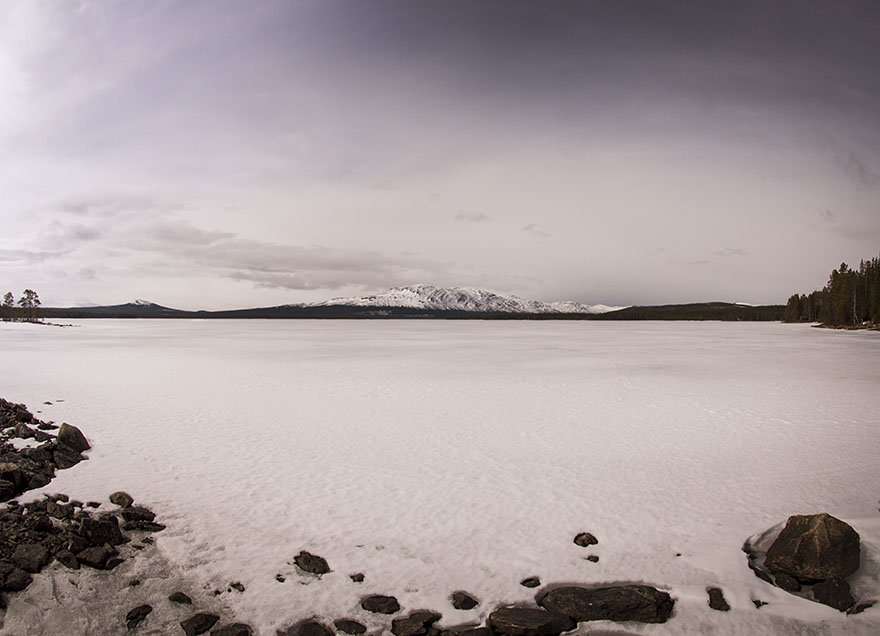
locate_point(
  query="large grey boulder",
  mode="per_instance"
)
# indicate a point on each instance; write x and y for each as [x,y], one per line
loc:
[640,603]
[72,437]
[528,621]
[814,548]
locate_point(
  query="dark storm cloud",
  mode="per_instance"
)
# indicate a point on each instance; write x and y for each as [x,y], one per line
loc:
[322,143]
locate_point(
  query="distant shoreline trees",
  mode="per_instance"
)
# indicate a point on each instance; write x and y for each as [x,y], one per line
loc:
[28,309]
[850,298]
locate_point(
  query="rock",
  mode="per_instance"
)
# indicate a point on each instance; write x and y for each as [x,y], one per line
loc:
[357,578]
[12,473]
[101,557]
[31,557]
[199,623]
[143,526]
[134,582]
[417,623]
[308,628]
[858,608]
[531,581]
[23,431]
[7,490]
[717,600]
[528,621]
[311,563]
[592,558]
[640,603]
[100,530]
[13,579]
[138,513]
[280,578]
[137,615]
[348,626]
[380,604]
[463,601]
[233,629]
[64,457]
[93,504]
[834,593]
[122,499]
[814,548]
[73,438]
[584,539]
[67,559]
[786,582]
[462,630]
[180,598]
[758,603]
[237,586]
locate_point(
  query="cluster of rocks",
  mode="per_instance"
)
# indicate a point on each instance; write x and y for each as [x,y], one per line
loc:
[811,556]
[34,467]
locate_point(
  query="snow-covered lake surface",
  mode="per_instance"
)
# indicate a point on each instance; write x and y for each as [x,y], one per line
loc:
[436,456]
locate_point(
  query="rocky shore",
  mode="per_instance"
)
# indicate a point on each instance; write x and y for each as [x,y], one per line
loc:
[102,555]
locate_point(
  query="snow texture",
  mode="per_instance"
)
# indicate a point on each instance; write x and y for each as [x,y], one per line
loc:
[435,456]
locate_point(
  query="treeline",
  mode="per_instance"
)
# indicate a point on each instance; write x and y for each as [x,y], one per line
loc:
[850,298]
[27,309]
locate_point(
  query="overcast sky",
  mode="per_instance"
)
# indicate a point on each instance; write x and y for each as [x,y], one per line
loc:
[219,154]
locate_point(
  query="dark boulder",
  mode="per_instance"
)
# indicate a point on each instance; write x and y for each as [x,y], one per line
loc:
[348,626]
[717,600]
[585,539]
[121,499]
[417,623]
[463,601]
[180,598]
[834,593]
[100,530]
[528,621]
[31,557]
[64,457]
[233,629]
[640,603]
[138,513]
[814,548]
[137,615]
[199,623]
[308,628]
[786,582]
[12,578]
[103,557]
[311,563]
[72,437]
[67,559]
[380,604]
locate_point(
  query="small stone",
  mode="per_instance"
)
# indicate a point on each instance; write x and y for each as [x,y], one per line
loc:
[528,621]
[592,558]
[308,628]
[236,585]
[93,504]
[417,623]
[758,603]
[584,539]
[134,582]
[67,559]
[717,600]
[641,603]
[348,626]
[199,623]
[531,581]
[463,601]
[311,563]
[137,615]
[380,604]
[357,578]
[280,578]
[138,513]
[102,557]
[233,629]
[180,598]
[121,498]
[834,593]
[73,438]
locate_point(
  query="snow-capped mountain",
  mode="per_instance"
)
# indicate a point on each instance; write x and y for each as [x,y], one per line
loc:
[462,299]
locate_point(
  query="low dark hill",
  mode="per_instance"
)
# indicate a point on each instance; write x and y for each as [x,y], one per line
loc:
[695,311]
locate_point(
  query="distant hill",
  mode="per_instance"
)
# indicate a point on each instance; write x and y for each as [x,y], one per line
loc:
[693,311]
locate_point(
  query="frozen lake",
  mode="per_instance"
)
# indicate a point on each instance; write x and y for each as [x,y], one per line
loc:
[440,455]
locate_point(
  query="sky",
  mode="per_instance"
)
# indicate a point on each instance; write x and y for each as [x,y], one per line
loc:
[217,154]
